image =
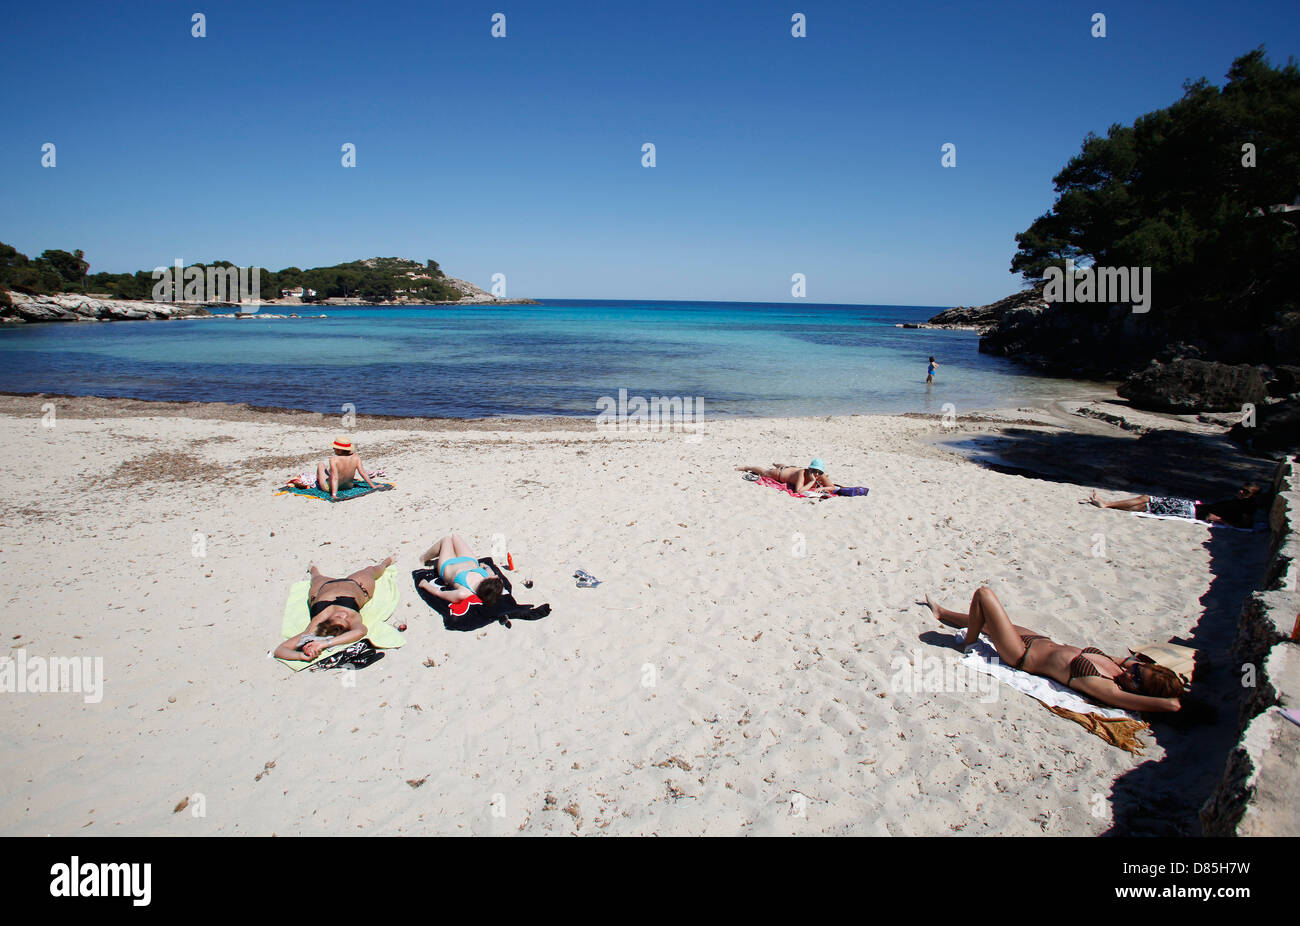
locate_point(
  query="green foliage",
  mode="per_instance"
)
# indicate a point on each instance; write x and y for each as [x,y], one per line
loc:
[1171,192]
[376,280]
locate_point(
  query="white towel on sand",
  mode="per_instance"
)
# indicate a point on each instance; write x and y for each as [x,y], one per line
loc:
[983,657]
[1212,524]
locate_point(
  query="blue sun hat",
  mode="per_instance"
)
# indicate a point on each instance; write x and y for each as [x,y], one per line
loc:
[818,464]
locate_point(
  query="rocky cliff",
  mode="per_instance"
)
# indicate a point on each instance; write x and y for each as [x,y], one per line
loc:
[72,307]
[984,317]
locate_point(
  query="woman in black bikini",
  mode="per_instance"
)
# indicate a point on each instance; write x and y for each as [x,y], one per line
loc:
[1130,684]
[335,609]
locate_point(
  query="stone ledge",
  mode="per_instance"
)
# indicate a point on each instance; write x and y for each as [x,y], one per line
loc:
[1261,781]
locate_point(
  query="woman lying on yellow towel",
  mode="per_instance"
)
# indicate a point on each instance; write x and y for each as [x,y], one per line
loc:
[335,609]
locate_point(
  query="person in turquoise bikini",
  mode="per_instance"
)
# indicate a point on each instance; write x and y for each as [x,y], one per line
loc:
[929,372]
[459,569]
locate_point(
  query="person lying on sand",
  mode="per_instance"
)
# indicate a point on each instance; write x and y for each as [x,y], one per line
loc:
[458,567]
[1235,512]
[335,608]
[1132,684]
[337,473]
[803,480]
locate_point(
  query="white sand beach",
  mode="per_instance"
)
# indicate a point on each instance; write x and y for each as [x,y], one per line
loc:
[716,682]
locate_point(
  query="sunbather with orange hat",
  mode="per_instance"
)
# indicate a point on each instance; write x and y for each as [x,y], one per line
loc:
[339,472]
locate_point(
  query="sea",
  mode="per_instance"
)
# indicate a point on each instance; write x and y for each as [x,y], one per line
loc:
[559,357]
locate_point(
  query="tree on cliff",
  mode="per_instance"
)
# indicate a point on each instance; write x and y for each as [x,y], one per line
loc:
[1177,192]
[71,267]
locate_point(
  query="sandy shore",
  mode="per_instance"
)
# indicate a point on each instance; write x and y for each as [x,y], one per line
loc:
[775,705]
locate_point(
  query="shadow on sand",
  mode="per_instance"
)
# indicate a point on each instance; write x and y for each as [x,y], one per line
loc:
[1162,797]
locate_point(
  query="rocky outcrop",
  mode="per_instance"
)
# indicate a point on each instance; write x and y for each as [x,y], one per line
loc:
[983,317]
[1284,380]
[1097,341]
[1276,428]
[1256,796]
[468,291]
[71,307]
[474,295]
[1188,386]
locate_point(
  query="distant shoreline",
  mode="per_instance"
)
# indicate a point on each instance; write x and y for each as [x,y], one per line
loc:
[129,407]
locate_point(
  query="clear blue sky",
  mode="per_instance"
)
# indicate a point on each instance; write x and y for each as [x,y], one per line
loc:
[522,155]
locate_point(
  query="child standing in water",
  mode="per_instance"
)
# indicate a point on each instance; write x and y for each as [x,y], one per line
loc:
[929,373]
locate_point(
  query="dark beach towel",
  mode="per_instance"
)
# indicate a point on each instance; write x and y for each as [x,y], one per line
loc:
[358,490]
[471,614]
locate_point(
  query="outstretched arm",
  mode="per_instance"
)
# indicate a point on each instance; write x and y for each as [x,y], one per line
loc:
[361,468]
[1107,692]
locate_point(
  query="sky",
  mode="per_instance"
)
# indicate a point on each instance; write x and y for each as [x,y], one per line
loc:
[522,155]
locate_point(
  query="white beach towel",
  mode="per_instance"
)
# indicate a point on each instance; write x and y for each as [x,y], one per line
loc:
[983,657]
[1210,524]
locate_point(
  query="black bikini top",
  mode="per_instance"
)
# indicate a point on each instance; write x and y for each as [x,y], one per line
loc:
[341,602]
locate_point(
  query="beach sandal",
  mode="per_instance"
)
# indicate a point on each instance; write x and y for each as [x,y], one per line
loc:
[586,579]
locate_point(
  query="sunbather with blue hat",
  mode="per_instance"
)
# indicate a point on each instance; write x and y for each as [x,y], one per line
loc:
[801,479]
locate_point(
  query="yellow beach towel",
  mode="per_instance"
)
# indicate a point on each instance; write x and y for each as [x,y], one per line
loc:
[373,615]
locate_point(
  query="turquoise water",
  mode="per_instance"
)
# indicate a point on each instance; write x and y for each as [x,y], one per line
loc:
[559,357]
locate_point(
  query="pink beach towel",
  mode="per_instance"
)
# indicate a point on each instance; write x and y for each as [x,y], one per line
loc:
[772,483]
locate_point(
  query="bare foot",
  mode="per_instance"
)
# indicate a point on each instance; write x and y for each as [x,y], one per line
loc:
[1094,500]
[934,609]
